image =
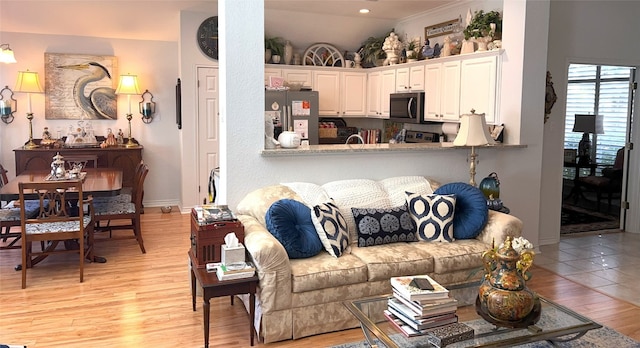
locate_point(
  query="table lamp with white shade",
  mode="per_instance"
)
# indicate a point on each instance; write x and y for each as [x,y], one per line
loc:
[128,86]
[473,132]
[28,82]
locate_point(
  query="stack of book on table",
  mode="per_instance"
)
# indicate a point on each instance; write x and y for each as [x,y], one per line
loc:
[419,304]
[236,270]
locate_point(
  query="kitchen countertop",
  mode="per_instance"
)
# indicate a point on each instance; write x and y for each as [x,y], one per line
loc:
[372,148]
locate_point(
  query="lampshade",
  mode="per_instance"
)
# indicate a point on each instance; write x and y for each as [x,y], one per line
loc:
[6,54]
[473,131]
[588,124]
[28,82]
[128,85]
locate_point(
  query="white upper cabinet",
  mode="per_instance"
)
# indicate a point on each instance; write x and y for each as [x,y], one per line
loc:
[298,76]
[442,91]
[268,72]
[479,87]
[380,86]
[410,79]
[342,94]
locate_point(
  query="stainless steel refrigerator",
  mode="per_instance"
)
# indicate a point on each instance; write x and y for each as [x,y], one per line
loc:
[295,110]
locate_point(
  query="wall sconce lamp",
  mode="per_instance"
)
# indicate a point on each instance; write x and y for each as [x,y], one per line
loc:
[128,86]
[8,105]
[6,54]
[473,132]
[147,107]
[28,82]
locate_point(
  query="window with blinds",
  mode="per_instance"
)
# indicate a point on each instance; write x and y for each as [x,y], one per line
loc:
[604,91]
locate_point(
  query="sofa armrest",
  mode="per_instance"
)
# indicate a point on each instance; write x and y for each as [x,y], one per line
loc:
[272,263]
[499,226]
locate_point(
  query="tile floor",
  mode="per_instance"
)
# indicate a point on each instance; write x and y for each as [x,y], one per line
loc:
[606,262]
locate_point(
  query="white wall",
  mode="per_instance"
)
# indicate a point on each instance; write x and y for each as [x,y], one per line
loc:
[159,138]
[603,32]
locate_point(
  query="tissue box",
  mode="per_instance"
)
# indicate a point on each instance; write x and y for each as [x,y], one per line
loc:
[207,240]
[232,254]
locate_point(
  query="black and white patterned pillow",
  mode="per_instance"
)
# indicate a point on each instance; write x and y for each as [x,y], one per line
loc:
[331,228]
[433,216]
[383,226]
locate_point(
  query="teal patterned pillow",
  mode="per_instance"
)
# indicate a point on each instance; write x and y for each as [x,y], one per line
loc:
[433,216]
[331,228]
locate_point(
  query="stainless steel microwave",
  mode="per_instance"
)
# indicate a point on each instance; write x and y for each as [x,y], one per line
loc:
[407,107]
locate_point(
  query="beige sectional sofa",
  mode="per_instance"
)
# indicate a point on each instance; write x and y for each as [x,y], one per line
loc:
[302,297]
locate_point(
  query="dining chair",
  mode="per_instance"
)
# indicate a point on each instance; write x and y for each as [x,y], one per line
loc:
[10,217]
[125,194]
[114,210]
[54,222]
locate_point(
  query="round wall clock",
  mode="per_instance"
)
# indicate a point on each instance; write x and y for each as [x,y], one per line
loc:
[207,37]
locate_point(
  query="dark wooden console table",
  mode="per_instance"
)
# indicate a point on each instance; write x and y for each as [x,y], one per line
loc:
[120,157]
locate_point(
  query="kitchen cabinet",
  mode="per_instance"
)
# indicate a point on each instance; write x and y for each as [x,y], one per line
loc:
[298,76]
[342,94]
[479,87]
[268,72]
[410,78]
[442,91]
[380,86]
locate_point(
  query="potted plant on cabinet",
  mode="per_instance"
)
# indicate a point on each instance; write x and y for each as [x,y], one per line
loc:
[372,52]
[484,28]
[274,47]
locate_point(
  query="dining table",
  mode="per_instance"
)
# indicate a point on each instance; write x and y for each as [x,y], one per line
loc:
[96,182]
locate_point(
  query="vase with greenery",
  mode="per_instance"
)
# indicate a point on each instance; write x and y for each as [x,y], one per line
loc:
[274,46]
[480,25]
[371,50]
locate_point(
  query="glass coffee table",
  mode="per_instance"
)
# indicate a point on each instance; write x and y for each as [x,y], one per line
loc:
[556,324]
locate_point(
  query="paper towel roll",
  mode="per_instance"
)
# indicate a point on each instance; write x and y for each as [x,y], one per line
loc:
[450,130]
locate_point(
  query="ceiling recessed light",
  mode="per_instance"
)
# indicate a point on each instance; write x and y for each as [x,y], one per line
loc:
[364,10]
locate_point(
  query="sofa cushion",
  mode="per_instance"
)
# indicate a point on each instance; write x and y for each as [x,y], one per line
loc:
[324,271]
[471,213]
[331,228]
[462,255]
[290,223]
[397,259]
[433,216]
[383,226]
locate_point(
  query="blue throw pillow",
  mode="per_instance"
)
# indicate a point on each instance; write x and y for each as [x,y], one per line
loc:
[289,221]
[471,209]
[383,226]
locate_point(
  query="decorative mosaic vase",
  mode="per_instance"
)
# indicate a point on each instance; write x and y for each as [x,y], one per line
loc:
[503,297]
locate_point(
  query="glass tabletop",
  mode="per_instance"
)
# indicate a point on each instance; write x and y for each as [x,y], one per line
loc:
[556,324]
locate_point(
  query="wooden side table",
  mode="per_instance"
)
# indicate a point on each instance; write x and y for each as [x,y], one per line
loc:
[212,287]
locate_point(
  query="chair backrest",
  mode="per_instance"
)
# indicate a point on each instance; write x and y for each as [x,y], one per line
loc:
[3,175]
[618,163]
[55,198]
[138,186]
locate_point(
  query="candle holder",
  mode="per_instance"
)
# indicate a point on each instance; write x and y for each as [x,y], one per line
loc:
[147,107]
[30,145]
[8,105]
[130,142]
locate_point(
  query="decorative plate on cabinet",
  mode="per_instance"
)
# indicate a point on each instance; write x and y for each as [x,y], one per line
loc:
[323,54]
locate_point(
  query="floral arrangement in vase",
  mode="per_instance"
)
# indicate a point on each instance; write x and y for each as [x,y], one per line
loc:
[413,48]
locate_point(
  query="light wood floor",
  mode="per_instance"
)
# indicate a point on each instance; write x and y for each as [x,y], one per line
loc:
[144,300]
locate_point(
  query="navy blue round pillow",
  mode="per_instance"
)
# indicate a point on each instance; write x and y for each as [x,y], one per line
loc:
[290,222]
[471,212]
